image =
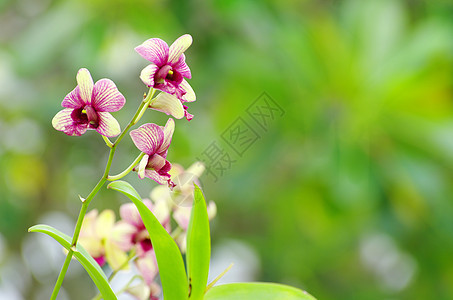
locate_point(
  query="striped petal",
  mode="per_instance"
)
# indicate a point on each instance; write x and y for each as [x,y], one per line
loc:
[106,96]
[108,125]
[85,83]
[147,74]
[160,179]
[178,48]
[168,104]
[168,134]
[182,67]
[148,138]
[73,99]
[189,96]
[155,50]
[64,122]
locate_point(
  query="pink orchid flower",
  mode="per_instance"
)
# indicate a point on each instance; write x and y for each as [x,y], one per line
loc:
[88,106]
[180,200]
[167,71]
[130,232]
[142,291]
[96,238]
[154,141]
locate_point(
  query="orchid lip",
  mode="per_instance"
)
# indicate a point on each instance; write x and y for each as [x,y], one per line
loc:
[163,73]
[93,118]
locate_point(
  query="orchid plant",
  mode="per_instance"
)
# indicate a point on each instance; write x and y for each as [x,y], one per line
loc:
[143,237]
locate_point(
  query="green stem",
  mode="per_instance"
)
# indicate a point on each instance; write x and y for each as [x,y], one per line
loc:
[138,114]
[107,141]
[60,278]
[125,172]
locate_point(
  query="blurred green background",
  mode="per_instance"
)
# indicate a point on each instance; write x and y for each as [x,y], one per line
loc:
[347,195]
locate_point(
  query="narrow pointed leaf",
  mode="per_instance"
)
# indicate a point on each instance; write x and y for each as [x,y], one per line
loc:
[169,258]
[85,259]
[198,246]
[256,290]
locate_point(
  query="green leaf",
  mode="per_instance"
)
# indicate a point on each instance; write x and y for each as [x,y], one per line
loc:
[198,246]
[256,290]
[85,259]
[169,259]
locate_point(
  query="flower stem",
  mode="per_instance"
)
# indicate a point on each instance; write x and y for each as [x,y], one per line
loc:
[125,172]
[60,278]
[138,114]
[107,141]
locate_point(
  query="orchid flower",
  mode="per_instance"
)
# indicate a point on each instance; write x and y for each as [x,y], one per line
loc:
[154,141]
[88,106]
[130,232]
[167,72]
[95,237]
[142,291]
[180,200]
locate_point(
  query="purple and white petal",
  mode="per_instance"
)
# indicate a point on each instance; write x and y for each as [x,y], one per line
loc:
[130,214]
[155,50]
[64,122]
[189,96]
[148,138]
[156,177]
[156,162]
[188,115]
[182,67]
[73,99]
[147,265]
[108,125]
[148,73]
[106,96]
[178,48]
[182,216]
[168,104]
[122,235]
[85,83]
[168,134]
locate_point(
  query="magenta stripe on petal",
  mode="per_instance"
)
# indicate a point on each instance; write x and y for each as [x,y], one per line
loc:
[85,83]
[155,50]
[189,96]
[73,99]
[178,47]
[156,177]
[147,138]
[181,67]
[108,125]
[64,122]
[168,134]
[62,119]
[106,96]
[147,74]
